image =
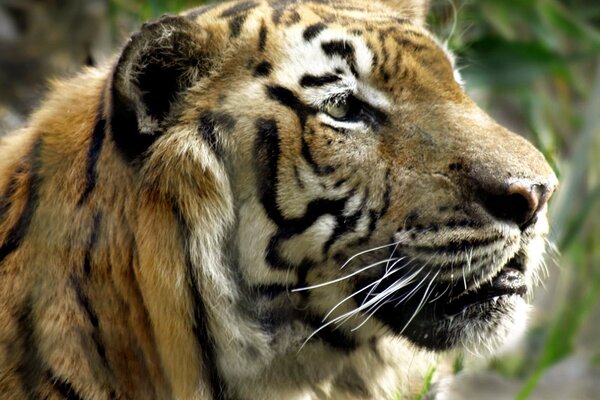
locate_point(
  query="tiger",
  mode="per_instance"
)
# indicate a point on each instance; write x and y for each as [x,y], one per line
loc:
[263,199]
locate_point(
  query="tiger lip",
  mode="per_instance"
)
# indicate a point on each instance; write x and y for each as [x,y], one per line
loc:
[510,280]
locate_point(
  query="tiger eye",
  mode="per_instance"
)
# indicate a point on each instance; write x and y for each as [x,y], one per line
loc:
[337,110]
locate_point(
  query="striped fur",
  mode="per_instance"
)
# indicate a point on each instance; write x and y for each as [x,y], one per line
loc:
[258,200]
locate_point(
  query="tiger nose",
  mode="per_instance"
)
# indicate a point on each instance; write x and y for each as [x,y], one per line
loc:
[519,201]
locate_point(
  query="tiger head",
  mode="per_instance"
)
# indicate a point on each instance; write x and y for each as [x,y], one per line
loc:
[336,183]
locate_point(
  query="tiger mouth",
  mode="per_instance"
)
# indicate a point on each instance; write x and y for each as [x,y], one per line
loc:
[442,319]
[509,281]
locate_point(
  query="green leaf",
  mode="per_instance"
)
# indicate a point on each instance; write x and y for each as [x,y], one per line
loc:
[504,63]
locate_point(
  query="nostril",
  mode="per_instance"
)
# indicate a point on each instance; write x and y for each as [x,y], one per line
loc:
[519,202]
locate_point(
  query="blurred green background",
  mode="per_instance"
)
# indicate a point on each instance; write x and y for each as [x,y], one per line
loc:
[533,64]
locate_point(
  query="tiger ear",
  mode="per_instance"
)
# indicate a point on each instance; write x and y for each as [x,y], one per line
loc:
[415,10]
[158,64]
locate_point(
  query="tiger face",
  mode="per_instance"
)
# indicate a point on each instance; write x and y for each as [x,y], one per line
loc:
[266,199]
[372,196]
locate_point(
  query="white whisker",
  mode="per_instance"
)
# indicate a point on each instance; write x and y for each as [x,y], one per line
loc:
[341,278]
[386,275]
[422,303]
[440,295]
[368,251]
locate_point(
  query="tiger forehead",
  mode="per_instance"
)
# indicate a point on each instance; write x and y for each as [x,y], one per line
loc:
[289,12]
[380,40]
[365,43]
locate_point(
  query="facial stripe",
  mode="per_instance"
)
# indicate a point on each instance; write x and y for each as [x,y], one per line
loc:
[344,224]
[298,179]
[287,98]
[263,69]
[210,122]
[313,31]
[93,155]
[235,25]
[414,46]
[239,8]
[387,195]
[334,337]
[343,49]
[308,80]
[294,18]
[19,230]
[262,37]
[289,228]
[317,168]
[268,151]
[279,7]
[201,10]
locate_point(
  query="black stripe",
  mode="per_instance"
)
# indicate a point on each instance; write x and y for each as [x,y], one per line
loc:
[287,98]
[294,18]
[263,69]
[239,8]
[206,344]
[316,81]
[340,48]
[201,10]
[262,37]
[321,170]
[401,21]
[344,224]
[83,300]
[279,7]
[404,42]
[299,181]
[343,49]
[374,216]
[94,150]
[384,57]
[209,121]
[313,31]
[235,25]
[387,196]
[333,336]
[31,364]
[5,199]
[272,290]
[87,262]
[85,304]
[454,246]
[19,230]
[340,182]
[64,388]
[267,152]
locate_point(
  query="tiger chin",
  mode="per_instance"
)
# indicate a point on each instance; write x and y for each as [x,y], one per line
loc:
[263,200]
